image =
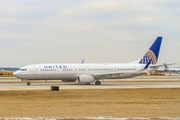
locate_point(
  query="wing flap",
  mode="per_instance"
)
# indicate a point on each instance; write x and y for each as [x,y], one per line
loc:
[106,75]
[102,75]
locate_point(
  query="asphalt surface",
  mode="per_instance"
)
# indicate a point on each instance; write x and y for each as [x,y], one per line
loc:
[13,83]
[104,85]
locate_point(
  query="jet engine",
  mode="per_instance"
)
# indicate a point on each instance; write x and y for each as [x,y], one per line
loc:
[85,79]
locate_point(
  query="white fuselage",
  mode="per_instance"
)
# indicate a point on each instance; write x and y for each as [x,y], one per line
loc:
[70,72]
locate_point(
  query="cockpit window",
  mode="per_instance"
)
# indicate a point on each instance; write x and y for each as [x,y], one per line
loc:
[22,69]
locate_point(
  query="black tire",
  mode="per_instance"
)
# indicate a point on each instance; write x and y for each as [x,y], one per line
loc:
[98,82]
[28,83]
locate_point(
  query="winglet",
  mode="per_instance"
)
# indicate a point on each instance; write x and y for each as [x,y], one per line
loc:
[166,67]
[146,67]
[82,61]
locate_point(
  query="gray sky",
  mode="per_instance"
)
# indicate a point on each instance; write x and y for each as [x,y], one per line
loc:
[67,31]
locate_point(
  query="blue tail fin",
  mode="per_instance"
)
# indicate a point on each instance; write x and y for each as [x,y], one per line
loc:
[153,52]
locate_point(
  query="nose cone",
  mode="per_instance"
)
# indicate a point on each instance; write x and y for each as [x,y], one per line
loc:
[16,74]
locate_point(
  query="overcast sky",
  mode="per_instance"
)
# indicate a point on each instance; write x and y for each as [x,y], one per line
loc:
[99,31]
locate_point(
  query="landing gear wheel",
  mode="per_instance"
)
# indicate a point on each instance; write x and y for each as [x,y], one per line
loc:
[28,83]
[88,83]
[98,82]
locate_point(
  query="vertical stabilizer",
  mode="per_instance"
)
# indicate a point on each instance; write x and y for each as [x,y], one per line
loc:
[153,52]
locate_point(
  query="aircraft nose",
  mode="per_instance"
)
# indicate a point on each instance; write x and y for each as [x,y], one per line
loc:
[16,74]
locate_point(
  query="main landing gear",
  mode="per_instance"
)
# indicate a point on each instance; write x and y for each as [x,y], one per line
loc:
[98,82]
[28,83]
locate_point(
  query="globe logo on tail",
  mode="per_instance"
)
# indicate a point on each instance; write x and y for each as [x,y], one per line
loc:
[149,56]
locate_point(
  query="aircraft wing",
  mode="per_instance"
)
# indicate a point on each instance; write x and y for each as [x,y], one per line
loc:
[104,75]
[154,66]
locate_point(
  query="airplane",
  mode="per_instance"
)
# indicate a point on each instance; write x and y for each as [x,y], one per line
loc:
[167,69]
[171,69]
[90,72]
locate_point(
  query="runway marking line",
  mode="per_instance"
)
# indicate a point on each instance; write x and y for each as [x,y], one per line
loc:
[33,88]
[16,88]
[83,87]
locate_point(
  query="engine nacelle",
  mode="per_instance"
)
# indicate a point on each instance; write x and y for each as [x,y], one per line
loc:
[85,79]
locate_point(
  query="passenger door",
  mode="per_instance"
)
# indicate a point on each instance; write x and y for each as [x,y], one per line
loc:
[34,70]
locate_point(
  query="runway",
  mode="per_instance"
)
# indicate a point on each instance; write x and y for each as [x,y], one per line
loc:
[13,83]
[104,85]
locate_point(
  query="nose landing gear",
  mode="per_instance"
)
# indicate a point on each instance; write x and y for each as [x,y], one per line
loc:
[28,83]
